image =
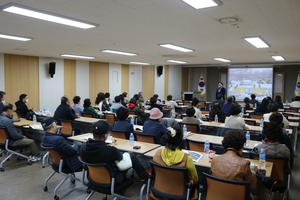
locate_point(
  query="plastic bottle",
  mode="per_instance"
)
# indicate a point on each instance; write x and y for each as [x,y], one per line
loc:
[261,124]
[206,147]
[243,111]
[216,119]
[247,138]
[44,111]
[132,121]
[34,119]
[184,131]
[255,105]
[262,159]
[131,139]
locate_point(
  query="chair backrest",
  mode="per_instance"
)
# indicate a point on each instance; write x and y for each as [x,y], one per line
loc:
[3,136]
[183,116]
[291,110]
[87,115]
[201,104]
[186,103]
[250,122]
[169,182]
[67,127]
[195,145]
[194,128]
[218,188]
[19,115]
[131,112]
[145,138]
[110,117]
[280,165]
[119,134]
[256,116]
[205,112]
[99,174]
[222,130]
[54,154]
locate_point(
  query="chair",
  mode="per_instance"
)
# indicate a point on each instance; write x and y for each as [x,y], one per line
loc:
[218,148]
[145,138]
[183,116]
[291,110]
[110,117]
[67,130]
[202,105]
[250,122]
[101,179]
[219,188]
[222,130]
[11,150]
[195,145]
[131,112]
[19,115]
[169,182]
[58,166]
[205,112]
[119,134]
[194,128]
[256,115]
[87,115]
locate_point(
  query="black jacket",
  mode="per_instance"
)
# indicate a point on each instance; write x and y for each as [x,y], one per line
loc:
[22,109]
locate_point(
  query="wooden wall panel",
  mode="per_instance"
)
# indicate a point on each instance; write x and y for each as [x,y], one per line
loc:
[166,84]
[125,78]
[22,77]
[185,79]
[70,78]
[99,75]
[148,81]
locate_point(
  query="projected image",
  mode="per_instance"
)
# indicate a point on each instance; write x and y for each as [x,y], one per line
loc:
[244,82]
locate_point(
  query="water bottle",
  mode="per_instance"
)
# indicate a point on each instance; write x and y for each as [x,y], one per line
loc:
[34,119]
[262,159]
[247,138]
[132,121]
[206,147]
[243,111]
[44,111]
[255,105]
[261,124]
[184,131]
[216,119]
[131,139]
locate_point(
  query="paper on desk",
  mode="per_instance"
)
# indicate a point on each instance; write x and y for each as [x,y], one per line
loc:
[87,137]
[35,126]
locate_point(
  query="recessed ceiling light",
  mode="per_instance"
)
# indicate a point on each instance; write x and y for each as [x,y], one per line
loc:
[278,58]
[198,4]
[119,52]
[77,56]
[11,37]
[222,59]
[258,42]
[177,61]
[175,47]
[139,63]
[43,15]
[227,20]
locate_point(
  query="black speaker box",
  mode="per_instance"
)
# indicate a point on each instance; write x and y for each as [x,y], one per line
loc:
[159,70]
[52,69]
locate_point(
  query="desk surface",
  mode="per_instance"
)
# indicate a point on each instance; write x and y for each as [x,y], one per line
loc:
[204,161]
[87,119]
[121,144]
[24,122]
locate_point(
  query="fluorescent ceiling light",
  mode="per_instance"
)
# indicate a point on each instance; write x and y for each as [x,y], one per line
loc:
[177,61]
[76,56]
[119,52]
[222,59]
[278,58]
[139,63]
[11,37]
[175,47]
[38,14]
[198,4]
[257,42]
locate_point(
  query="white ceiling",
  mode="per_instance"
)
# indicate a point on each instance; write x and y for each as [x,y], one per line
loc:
[138,26]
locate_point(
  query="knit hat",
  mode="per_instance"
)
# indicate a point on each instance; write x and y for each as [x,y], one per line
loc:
[155,113]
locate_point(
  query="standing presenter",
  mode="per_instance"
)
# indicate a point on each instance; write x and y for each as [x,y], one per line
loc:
[220,90]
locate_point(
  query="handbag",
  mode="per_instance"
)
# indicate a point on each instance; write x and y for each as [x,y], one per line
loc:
[273,191]
[125,163]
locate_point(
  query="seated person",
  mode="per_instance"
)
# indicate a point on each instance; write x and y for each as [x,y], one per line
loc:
[101,102]
[278,101]
[117,104]
[247,105]
[226,105]
[272,132]
[217,110]
[234,121]
[191,119]
[231,165]
[273,107]
[139,110]
[15,138]
[57,141]
[263,107]
[2,97]
[296,102]
[88,108]
[220,99]
[77,107]
[22,109]
[253,101]
[96,151]
[153,126]
[172,156]
[198,113]
[122,124]
[171,104]
[170,122]
[158,101]
[64,111]
[153,104]
[123,101]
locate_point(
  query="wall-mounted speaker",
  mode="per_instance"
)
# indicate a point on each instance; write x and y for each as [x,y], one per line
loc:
[159,70]
[52,69]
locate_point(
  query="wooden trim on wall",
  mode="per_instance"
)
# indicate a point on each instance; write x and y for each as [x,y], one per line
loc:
[166,84]
[22,77]
[70,78]
[99,76]
[185,78]
[125,78]
[148,81]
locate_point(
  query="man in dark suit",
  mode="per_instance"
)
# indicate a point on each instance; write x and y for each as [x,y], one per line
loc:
[220,90]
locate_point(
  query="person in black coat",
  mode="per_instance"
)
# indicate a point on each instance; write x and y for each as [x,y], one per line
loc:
[220,90]
[22,108]
[2,97]
[65,111]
